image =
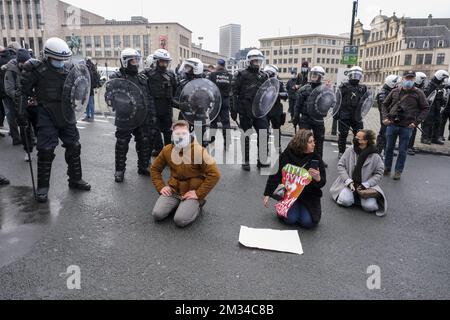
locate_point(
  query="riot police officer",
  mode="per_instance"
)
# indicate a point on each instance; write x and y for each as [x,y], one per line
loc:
[306,101]
[246,84]
[45,80]
[143,134]
[222,78]
[190,70]
[389,84]
[432,124]
[420,84]
[349,115]
[277,116]
[446,111]
[292,88]
[163,85]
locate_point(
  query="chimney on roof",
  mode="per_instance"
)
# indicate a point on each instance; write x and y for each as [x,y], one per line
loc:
[430,19]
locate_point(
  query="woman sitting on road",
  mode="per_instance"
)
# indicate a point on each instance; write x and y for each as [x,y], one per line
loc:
[302,172]
[360,172]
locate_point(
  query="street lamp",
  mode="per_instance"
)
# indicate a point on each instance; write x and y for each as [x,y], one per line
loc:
[200,39]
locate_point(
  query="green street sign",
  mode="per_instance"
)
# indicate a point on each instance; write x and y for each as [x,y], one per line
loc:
[350,55]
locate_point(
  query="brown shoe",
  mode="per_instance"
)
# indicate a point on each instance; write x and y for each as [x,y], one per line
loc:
[397,176]
[387,172]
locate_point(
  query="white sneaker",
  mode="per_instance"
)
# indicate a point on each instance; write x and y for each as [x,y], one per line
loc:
[380,214]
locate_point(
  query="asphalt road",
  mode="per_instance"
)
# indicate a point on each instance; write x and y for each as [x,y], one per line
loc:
[123,254]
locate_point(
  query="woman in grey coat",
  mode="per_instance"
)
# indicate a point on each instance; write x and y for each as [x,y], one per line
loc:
[361,167]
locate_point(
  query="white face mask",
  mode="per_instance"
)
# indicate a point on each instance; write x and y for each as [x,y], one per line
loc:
[181,140]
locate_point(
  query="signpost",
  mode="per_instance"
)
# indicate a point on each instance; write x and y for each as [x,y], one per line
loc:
[350,55]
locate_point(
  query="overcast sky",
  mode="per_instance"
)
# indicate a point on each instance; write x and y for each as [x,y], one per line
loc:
[261,19]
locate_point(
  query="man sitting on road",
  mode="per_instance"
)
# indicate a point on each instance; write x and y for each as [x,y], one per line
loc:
[193,174]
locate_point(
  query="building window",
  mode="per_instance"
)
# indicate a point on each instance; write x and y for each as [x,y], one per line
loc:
[37,9]
[107,41]
[285,51]
[304,50]
[285,61]
[29,14]
[440,43]
[88,53]
[10,14]
[429,58]
[98,53]
[295,51]
[309,50]
[426,44]
[275,52]
[267,61]
[309,59]
[328,61]
[275,61]
[116,41]
[408,59]
[19,14]
[318,60]
[328,51]
[319,50]
[108,54]
[440,59]
[295,60]
[137,41]
[419,59]
[411,45]
[126,42]
[88,41]
[146,45]
[97,42]
[290,60]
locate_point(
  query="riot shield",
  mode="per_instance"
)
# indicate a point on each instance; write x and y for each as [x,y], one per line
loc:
[365,104]
[125,101]
[265,98]
[75,93]
[321,103]
[200,101]
[432,97]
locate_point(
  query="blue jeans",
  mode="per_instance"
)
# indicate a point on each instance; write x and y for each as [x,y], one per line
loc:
[90,109]
[299,215]
[404,135]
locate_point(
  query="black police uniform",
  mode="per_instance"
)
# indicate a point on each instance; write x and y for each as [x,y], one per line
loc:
[349,115]
[222,78]
[277,117]
[143,135]
[305,121]
[432,125]
[246,84]
[163,84]
[445,114]
[381,139]
[42,80]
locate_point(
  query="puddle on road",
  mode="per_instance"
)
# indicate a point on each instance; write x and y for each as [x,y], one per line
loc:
[23,222]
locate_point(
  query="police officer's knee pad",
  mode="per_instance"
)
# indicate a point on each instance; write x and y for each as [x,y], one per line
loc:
[73,149]
[46,154]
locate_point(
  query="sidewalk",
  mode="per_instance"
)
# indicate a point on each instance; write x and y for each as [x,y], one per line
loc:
[372,121]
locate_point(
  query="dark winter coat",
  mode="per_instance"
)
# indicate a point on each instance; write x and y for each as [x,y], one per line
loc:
[312,193]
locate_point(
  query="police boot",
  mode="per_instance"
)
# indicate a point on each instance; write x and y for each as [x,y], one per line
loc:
[246,164]
[74,172]
[143,152]
[44,168]
[121,159]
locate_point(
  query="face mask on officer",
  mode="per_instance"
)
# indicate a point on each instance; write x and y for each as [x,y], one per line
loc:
[315,77]
[354,78]
[58,64]
[181,138]
[133,65]
[408,83]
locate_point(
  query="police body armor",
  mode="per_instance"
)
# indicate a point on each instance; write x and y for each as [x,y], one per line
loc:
[439,99]
[351,99]
[223,81]
[162,87]
[382,95]
[49,89]
[250,83]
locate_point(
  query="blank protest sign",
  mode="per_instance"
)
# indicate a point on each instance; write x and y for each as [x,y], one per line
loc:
[269,239]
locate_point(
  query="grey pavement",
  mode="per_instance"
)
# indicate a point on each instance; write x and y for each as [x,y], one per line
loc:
[124,254]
